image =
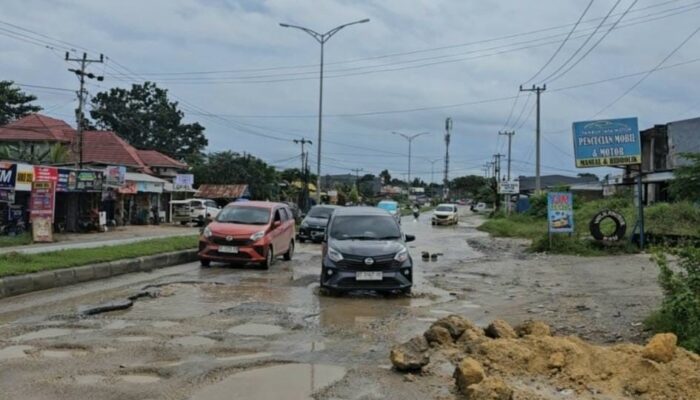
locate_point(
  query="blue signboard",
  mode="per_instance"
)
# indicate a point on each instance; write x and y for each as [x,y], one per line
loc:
[560,212]
[607,143]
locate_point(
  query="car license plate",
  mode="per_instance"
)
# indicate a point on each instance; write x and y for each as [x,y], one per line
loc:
[228,249]
[369,276]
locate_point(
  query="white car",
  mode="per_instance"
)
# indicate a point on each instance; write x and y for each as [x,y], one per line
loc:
[194,210]
[445,214]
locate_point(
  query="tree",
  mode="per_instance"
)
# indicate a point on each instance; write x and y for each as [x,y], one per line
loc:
[14,103]
[588,175]
[686,182]
[469,185]
[148,120]
[228,167]
[385,176]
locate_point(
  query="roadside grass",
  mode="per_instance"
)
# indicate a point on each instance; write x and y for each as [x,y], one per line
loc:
[681,218]
[18,263]
[19,240]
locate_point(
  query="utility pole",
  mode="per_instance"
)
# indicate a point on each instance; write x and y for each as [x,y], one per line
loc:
[446,179]
[321,38]
[506,197]
[357,175]
[432,169]
[84,62]
[497,177]
[304,200]
[538,90]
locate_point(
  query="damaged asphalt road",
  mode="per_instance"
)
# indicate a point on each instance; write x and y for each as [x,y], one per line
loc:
[240,332]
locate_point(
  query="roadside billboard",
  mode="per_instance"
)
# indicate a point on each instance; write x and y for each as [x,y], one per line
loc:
[183,182]
[606,143]
[115,176]
[509,187]
[560,212]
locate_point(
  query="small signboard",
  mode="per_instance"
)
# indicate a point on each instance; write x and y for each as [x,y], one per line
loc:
[8,174]
[183,182]
[560,212]
[508,187]
[42,230]
[115,176]
[42,199]
[607,143]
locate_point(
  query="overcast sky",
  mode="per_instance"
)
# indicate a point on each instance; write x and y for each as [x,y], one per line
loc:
[252,83]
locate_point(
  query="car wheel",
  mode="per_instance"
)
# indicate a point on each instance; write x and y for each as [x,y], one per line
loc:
[205,263]
[269,258]
[290,253]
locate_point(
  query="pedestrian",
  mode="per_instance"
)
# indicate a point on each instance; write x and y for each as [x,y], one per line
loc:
[416,212]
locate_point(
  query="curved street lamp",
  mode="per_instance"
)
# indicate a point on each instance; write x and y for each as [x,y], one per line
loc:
[321,38]
[410,142]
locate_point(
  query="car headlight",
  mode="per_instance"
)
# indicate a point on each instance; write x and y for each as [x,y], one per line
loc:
[257,236]
[334,255]
[304,224]
[207,232]
[402,255]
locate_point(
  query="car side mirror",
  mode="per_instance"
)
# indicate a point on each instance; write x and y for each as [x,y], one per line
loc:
[276,224]
[410,238]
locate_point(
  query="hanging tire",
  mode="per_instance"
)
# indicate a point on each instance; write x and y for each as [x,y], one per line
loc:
[617,218]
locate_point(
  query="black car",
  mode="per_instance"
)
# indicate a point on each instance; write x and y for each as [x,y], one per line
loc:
[313,226]
[364,248]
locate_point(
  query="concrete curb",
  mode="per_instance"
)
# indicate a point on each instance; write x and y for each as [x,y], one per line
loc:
[20,284]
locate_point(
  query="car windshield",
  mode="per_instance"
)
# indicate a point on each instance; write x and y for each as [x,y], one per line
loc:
[365,227]
[321,212]
[444,208]
[244,215]
[390,206]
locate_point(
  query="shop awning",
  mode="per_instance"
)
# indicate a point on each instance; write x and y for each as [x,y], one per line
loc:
[145,183]
[229,192]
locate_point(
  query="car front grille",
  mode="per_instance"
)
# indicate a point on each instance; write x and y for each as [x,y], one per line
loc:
[358,262]
[234,242]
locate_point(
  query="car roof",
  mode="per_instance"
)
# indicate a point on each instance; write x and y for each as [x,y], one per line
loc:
[260,204]
[327,206]
[389,201]
[361,211]
[445,204]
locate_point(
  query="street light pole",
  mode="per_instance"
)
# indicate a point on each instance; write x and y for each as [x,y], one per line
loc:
[410,142]
[321,38]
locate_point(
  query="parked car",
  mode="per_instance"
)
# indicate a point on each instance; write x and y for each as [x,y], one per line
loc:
[364,248]
[392,207]
[313,227]
[194,210]
[445,214]
[249,232]
[478,207]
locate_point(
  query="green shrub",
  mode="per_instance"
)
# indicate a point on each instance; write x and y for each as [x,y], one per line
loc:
[681,218]
[538,206]
[574,245]
[680,309]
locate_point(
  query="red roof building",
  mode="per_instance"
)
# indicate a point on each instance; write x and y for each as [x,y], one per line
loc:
[99,147]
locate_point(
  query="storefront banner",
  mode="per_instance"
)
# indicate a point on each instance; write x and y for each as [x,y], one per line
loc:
[128,188]
[560,212]
[115,176]
[149,187]
[89,181]
[42,229]
[8,174]
[46,174]
[183,182]
[66,180]
[42,200]
[25,177]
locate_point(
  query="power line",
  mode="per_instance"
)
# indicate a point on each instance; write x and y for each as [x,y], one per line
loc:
[588,39]
[566,39]
[595,44]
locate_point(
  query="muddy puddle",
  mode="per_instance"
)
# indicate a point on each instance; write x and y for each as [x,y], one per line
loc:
[252,329]
[289,382]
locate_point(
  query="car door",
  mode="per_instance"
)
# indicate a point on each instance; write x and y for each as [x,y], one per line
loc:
[289,225]
[276,235]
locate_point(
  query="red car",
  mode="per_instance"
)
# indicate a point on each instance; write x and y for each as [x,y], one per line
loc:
[249,232]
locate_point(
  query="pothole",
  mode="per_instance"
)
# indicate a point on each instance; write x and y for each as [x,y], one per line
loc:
[252,329]
[289,381]
[63,353]
[14,352]
[193,341]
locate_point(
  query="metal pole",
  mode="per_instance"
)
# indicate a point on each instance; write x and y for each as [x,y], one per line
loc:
[80,110]
[640,212]
[538,186]
[410,142]
[320,132]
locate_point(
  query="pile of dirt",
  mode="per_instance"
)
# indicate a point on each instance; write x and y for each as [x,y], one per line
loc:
[527,363]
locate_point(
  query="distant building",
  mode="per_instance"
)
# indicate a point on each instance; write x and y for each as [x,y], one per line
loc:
[588,184]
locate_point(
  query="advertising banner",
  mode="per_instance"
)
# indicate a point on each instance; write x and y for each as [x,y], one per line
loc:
[128,188]
[115,176]
[66,180]
[42,199]
[42,229]
[183,182]
[88,181]
[607,143]
[25,177]
[8,174]
[508,187]
[46,174]
[560,212]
